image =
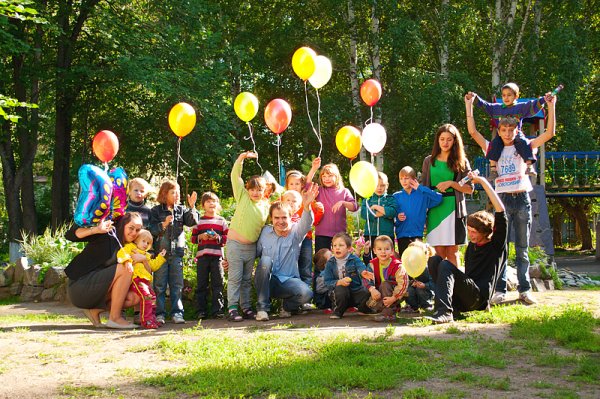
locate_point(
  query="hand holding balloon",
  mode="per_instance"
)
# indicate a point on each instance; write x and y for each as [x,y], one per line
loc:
[192,199]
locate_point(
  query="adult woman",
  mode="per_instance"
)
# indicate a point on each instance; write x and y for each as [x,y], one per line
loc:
[442,170]
[96,281]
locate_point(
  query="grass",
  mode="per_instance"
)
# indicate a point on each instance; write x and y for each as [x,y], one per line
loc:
[11,300]
[40,318]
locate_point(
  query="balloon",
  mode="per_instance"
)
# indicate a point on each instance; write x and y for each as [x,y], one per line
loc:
[414,261]
[246,106]
[105,145]
[94,200]
[348,141]
[118,201]
[322,72]
[182,119]
[374,137]
[303,62]
[363,178]
[370,92]
[278,115]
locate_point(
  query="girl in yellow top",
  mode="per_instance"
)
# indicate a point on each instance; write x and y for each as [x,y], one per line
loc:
[248,220]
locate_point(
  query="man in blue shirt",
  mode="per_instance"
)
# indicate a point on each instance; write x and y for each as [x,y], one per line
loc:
[278,247]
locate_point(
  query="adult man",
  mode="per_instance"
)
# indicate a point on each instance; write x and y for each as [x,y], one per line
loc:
[278,247]
[456,291]
[514,186]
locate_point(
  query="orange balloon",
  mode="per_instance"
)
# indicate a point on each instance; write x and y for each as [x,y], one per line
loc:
[105,145]
[370,92]
[278,115]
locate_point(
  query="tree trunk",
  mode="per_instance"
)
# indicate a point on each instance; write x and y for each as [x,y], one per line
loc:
[11,194]
[579,209]
[557,224]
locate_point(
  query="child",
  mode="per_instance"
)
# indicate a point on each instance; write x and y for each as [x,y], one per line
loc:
[510,107]
[295,180]
[142,275]
[211,235]
[320,290]
[421,288]
[166,225]
[248,220]
[412,204]
[343,276]
[336,200]
[379,212]
[391,280]
[138,190]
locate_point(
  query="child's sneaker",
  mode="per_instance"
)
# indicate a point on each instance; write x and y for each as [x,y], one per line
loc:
[284,314]
[261,315]
[149,324]
[531,171]
[201,315]
[219,315]
[352,310]
[234,316]
[335,316]
[178,319]
[327,311]
[160,320]
[248,314]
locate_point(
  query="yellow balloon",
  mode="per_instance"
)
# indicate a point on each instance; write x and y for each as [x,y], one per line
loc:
[414,261]
[246,106]
[182,119]
[363,178]
[322,72]
[303,62]
[348,141]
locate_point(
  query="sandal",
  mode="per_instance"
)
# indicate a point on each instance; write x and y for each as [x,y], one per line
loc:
[234,316]
[248,314]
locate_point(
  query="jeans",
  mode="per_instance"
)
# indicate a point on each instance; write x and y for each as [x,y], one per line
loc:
[170,273]
[518,212]
[293,291]
[454,291]
[241,263]
[205,267]
[305,260]
[419,297]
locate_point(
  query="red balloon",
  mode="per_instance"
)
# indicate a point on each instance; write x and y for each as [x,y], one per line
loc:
[105,145]
[370,92]
[278,115]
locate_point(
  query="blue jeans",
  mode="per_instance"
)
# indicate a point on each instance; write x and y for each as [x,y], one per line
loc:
[305,261]
[518,211]
[239,276]
[419,297]
[170,273]
[293,291]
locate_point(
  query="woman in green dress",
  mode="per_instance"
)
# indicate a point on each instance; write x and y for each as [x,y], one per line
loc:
[442,170]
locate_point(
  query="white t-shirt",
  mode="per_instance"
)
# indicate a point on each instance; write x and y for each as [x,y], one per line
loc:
[511,171]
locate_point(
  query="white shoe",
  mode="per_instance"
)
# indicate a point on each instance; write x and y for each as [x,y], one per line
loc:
[527,298]
[261,315]
[160,320]
[497,298]
[308,306]
[284,314]
[178,319]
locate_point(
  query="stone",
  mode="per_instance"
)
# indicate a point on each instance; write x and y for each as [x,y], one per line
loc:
[15,289]
[47,295]
[31,275]
[511,278]
[20,265]
[549,285]
[3,280]
[31,293]
[54,276]
[5,292]
[538,285]
[9,272]
[535,271]
[62,295]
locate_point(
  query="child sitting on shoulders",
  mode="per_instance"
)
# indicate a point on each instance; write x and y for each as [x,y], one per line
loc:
[510,107]
[211,235]
[421,288]
[141,283]
[391,280]
[345,276]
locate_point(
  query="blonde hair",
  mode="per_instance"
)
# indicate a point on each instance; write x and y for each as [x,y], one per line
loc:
[384,239]
[332,169]
[296,174]
[407,171]
[428,249]
[147,234]
[292,193]
[138,181]
[383,177]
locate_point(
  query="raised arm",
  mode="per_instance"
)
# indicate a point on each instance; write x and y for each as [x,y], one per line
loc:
[478,137]
[551,128]
[494,199]
[316,164]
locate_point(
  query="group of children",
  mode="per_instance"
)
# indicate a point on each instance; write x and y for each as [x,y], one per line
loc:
[341,279]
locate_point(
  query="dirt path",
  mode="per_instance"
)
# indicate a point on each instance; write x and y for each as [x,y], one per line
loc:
[56,358]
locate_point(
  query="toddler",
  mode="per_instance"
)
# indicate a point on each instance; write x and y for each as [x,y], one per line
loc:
[421,288]
[142,275]
[321,297]
[211,235]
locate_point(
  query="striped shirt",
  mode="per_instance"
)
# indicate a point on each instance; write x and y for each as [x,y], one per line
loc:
[211,247]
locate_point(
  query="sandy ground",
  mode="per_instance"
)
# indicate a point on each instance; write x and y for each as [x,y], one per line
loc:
[52,359]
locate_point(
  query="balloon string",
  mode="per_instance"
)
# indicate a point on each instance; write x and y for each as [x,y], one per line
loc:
[370,120]
[357,212]
[113,233]
[106,166]
[308,113]
[278,157]
[319,137]
[178,158]
[251,137]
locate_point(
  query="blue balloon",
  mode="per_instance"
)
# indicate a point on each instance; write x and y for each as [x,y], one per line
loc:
[93,204]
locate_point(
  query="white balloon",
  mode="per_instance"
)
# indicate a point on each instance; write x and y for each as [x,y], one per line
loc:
[374,138]
[322,72]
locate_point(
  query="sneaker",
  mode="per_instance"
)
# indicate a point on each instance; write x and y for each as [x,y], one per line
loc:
[308,306]
[248,314]
[531,171]
[497,298]
[234,316]
[160,320]
[335,316]
[219,315]
[178,319]
[149,324]
[261,315]
[201,315]
[327,311]
[527,298]
[384,318]
[352,310]
[284,314]
[440,318]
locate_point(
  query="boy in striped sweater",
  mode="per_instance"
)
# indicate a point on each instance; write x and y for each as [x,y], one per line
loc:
[211,235]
